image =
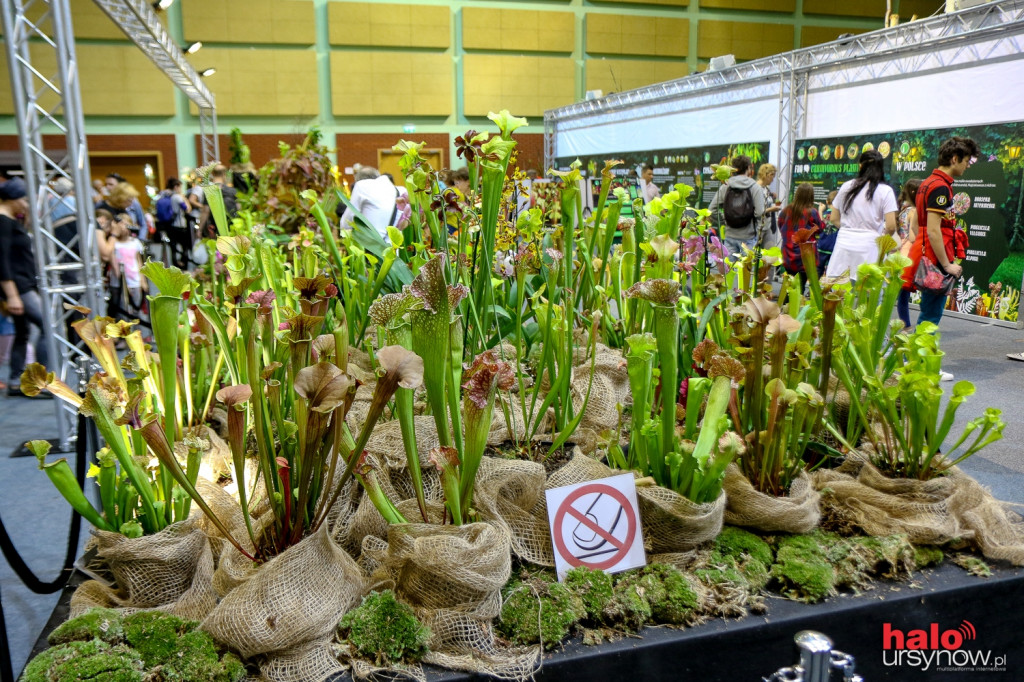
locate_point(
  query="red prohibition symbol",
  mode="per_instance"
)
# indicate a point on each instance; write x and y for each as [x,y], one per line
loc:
[622,546]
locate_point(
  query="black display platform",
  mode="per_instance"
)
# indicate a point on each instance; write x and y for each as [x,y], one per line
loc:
[747,649]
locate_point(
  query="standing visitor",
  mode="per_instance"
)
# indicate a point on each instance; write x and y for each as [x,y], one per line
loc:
[207,225]
[864,210]
[18,277]
[739,203]
[768,233]
[934,203]
[799,215]
[172,222]
[651,191]
[827,239]
[376,198]
[906,228]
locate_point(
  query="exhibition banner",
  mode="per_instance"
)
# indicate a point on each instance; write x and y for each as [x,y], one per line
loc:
[986,204]
[690,165]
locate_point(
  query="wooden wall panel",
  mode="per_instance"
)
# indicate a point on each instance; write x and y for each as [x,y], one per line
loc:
[625,34]
[757,5]
[517,30]
[742,39]
[847,8]
[616,75]
[816,35]
[377,24]
[391,83]
[249,21]
[526,86]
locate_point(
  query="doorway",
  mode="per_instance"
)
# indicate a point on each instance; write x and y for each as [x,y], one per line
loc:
[141,169]
[387,161]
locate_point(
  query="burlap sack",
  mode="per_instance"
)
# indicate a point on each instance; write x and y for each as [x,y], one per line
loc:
[507,493]
[169,571]
[953,507]
[797,512]
[673,523]
[288,610]
[452,576]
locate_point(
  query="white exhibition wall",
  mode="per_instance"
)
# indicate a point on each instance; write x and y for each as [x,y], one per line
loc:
[992,92]
[728,124]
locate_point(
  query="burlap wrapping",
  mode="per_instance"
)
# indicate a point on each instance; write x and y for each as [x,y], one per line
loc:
[507,493]
[169,571]
[797,512]
[673,523]
[953,507]
[452,576]
[288,609]
[216,458]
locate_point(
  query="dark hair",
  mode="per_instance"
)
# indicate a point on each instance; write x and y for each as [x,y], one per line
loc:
[909,192]
[390,177]
[803,199]
[957,148]
[461,174]
[647,167]
[172,184]
[116,176]
[742,164]
[871,174]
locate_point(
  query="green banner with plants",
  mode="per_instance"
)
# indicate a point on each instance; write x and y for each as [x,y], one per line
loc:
[987,200]
[689,165]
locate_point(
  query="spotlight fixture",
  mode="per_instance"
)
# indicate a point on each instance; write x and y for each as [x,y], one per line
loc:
[160,5]
[208,72]
[194,47]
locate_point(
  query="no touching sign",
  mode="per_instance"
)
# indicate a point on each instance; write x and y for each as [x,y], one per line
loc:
[596,524]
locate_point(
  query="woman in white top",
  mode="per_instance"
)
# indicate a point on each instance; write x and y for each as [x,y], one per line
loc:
[864,210]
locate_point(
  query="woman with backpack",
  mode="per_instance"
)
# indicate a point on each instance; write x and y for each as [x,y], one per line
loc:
[173,223]
[864,210]
[799,215]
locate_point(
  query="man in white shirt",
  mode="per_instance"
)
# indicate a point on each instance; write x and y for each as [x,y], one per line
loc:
[374,195]
[651,190]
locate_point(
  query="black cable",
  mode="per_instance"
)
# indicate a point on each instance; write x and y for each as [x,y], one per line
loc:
[86,438]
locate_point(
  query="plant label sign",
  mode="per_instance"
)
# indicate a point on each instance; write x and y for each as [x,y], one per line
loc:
[596,524]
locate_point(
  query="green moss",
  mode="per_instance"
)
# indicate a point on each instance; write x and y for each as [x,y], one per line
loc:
[802,568]
[888,556]
[927,555]
[736,542]
[197,659]
[973,565]
[628,608]
[535,612]
[385,629]
[721,570]
[672,599]
[594,588]
[756,574]
[155,635]
[81,660]
[102,624]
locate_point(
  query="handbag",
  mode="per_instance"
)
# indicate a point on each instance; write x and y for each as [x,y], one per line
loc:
[930,277]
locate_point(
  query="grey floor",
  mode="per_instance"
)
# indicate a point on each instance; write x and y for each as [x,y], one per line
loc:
[37,518]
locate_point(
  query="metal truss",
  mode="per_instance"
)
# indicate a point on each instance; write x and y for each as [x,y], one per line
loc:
[140,23]
[792,124]
[68,268]
[936,42]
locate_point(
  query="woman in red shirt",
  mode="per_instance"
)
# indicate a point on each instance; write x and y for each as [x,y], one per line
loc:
[799,215]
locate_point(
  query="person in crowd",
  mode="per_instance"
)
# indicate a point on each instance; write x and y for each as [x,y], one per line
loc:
[906,229]
[827,239]
[63,204]
[735,238]
[104,238]
[195,201]
[864,210]
[18,281]
[801,214]
[218,176]
[376,198]
[114,201]
[936,234]
[127,284]
[99,191]
[172,222]
[651,190]
[459,189]
[768,230]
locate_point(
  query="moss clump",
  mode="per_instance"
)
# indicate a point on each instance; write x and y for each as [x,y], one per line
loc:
[196,658]
[736,542]
[104,624]
[85,660]
[888,556]
[973,565]
[802,568]
[926,556]
[386,629]
[628,608]
[155,635]
[594,588]
[673,600]
[535,611]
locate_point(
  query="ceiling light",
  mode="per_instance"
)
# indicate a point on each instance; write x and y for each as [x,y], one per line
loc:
[208,72]
[194,47]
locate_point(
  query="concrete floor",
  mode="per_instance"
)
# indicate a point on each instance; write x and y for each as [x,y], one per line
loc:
[37,517]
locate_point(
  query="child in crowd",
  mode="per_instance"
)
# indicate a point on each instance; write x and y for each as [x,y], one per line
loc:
[906,230]
[827,237]
[126,283]
[799,215]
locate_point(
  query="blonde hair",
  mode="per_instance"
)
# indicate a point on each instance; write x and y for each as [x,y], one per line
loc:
[765,170]
[122,195]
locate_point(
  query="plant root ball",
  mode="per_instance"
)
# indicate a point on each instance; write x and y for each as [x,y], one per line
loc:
[385,629]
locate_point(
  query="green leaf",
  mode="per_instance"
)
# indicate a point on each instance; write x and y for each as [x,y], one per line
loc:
[169,280]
